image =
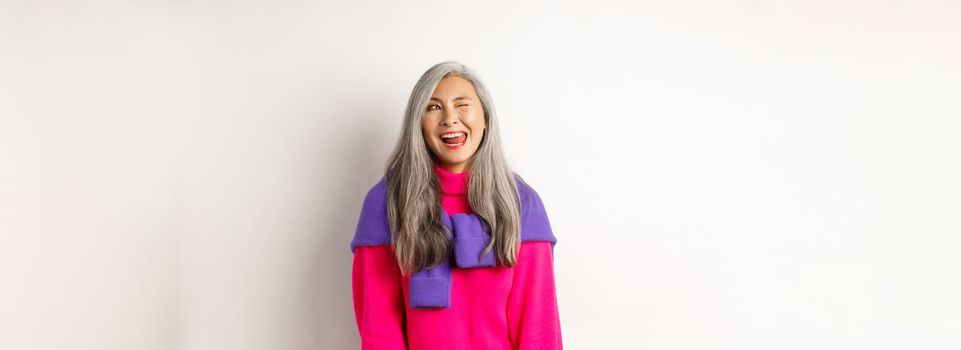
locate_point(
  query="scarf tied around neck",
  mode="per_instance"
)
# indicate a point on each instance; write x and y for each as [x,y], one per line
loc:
[430,288]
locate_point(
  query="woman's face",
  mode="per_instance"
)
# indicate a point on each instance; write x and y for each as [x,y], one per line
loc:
[454,109]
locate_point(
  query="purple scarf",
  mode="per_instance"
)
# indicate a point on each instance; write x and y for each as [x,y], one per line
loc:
[430,288]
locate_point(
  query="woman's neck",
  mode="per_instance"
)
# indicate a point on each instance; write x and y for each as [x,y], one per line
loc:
[452,168]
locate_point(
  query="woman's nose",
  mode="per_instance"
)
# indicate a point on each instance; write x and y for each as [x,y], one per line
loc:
[450,118]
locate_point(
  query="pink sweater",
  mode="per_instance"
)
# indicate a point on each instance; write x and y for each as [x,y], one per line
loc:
[490,308]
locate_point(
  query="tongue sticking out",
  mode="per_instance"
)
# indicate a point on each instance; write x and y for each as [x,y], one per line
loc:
[455,140]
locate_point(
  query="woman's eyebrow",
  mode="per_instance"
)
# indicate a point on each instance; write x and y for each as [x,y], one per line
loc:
[455,98]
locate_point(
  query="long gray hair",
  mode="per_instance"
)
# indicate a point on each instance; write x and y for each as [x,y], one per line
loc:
[413,191]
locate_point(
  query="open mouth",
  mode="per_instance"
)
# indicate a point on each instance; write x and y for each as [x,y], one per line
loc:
[454,139]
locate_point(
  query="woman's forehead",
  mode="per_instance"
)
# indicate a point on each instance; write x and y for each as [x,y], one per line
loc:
[454,88]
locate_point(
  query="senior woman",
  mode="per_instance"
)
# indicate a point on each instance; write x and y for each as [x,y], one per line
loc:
[453,250]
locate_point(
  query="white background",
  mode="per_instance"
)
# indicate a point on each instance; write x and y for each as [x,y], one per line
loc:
[720,175]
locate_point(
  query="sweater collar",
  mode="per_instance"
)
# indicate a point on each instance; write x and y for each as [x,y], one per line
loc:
[451,183]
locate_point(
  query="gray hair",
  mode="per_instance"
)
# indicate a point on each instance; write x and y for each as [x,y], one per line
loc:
[413,191]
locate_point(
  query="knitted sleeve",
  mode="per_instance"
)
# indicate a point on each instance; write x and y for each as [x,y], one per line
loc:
[532,315]
[378,298]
